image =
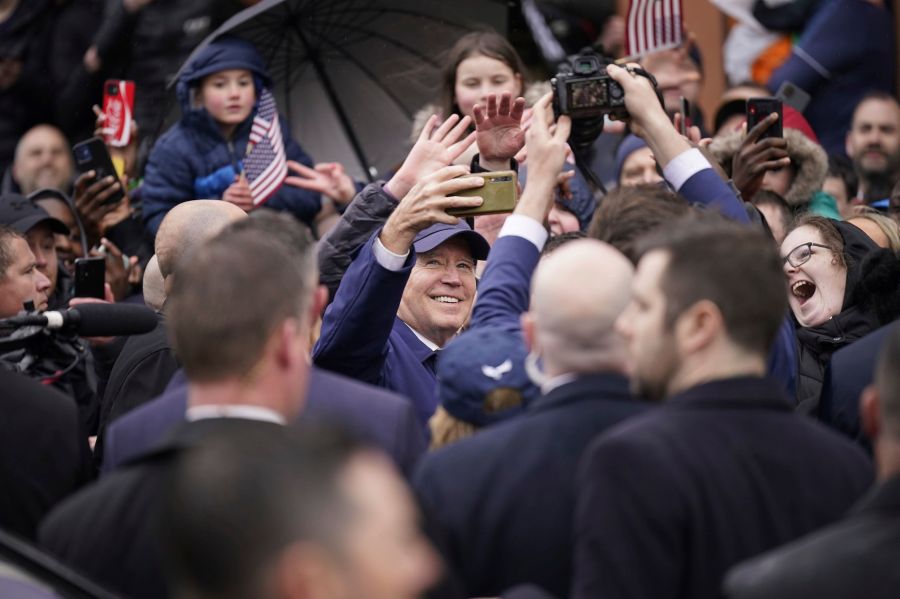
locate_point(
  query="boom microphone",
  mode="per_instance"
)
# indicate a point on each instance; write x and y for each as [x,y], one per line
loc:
[93,320]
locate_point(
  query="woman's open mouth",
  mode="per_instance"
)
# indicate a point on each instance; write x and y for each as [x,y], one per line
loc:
[803,290]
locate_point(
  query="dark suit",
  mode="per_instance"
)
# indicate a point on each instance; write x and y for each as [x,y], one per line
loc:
[668,501]
[140,373]
[363,338]
[44,455]
[107,531]
[856,557]
[502,500]
[851,370]
[381,417]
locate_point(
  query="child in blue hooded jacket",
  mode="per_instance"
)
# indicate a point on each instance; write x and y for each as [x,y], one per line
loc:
[201,157]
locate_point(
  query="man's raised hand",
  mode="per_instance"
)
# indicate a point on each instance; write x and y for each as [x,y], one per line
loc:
[426,204]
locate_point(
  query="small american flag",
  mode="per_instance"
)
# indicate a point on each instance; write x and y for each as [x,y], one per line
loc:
[265,165]
[652,25]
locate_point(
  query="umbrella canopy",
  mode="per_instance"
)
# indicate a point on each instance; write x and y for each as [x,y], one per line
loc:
[350,74]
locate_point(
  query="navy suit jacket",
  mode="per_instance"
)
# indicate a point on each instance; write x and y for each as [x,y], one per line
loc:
[383,418]
[851,370]
[362,337]
[668,501]
[502,501]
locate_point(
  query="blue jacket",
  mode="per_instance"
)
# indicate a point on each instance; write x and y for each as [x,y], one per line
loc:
[846,50]
[193,160]
[362,337]
[382,418]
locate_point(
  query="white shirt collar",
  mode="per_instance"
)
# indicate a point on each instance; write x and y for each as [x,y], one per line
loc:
[428,342]
[557,381]
[239,411]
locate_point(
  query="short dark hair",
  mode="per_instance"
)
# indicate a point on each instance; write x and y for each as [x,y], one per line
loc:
[228,299]
[842,168]
[764,197]
[235,502]
[554,242]
[887,381]
[486,43]
[875,94]
[7,234]
[628,213]
[736,267]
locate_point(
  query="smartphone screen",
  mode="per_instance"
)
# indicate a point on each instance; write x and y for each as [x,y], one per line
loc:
[90,274]
[758,109]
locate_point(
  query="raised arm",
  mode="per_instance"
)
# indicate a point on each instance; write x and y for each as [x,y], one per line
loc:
[504,289]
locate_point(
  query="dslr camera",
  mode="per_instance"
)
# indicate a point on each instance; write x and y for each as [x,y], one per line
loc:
[582,89]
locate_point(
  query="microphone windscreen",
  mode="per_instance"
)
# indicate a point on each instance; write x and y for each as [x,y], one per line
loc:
[112,320]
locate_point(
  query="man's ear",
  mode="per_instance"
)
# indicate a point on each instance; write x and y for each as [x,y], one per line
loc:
[527,321]
[870,412]
[698,326]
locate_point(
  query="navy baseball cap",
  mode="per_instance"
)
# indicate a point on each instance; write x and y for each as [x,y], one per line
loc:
[21,214]
[477,362]
[438,233]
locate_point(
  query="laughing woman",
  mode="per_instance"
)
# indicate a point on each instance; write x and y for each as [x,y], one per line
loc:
[841,286]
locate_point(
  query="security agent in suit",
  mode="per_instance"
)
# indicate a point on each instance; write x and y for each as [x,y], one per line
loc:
[280,515]
[146,362]
[502,500]
[38,421]
[856,557]
[849,372]
[377,415]
[723,469]
[246,362]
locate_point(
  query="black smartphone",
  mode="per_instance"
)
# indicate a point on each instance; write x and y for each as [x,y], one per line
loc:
[685,108]
[760,108]
[90,274]
[92,155]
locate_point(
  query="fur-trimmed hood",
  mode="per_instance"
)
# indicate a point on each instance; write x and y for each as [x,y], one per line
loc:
[806,156]
[533,92]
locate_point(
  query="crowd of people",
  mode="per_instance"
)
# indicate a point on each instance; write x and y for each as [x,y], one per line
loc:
[684,386]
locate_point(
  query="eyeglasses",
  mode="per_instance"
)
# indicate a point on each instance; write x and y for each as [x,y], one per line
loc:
[801,254]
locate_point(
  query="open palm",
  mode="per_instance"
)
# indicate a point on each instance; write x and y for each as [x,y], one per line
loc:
[498,127]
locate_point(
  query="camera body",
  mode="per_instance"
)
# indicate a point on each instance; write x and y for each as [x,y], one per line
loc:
[582,89]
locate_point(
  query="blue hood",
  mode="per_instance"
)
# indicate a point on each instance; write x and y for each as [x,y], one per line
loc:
[221,55]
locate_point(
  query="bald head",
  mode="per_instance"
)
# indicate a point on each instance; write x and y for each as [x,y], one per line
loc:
[578,291]
[189,225]
[154,285]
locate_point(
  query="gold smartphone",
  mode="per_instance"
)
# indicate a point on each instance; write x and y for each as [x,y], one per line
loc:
[500,193]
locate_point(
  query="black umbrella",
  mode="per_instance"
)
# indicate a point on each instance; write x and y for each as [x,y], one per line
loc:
[351,74]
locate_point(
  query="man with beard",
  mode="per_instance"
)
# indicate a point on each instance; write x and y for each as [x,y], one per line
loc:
[873,144]
[723,469]
[42,159]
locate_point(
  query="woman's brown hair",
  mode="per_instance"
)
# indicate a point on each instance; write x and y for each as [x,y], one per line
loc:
[485,43]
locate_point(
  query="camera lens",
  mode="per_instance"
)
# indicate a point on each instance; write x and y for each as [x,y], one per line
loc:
[83,154]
